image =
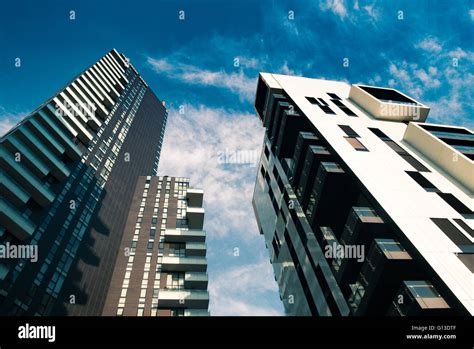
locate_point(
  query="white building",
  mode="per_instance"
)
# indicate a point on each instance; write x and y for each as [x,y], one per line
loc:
[357,167]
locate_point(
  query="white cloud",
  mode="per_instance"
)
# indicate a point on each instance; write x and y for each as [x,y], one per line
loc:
[429,79]
[241,291]
[444,87]
[236,82]
[338,7]
[372,11]
[471,14]
[204,144]
[286,70]
[403,79]
[430,44]
[8,120]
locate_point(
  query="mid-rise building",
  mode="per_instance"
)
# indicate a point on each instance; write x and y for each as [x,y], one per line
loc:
[365,208]
[161,269]
[68,173]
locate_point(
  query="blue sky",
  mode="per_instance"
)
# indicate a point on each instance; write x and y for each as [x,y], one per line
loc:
[205,68]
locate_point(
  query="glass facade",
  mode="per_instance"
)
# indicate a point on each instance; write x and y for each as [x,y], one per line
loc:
[79,146]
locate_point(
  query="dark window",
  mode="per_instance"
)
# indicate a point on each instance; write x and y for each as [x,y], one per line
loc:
[343,107]
[301,231]
[333,96]
[275,173]
[326,290]
[415,163]
[276,244]
[262,90]
[267,177]
[349,131]
[356,144]
[445,129]
[379,133]
[275,247]
[385,94]
[455,203]
[321,104]
[273,200]
[422,181]
[300,273]
[262,171]
[280,184]
[464,225]
[451,231]
[267,152]
[468,260]
[399,150]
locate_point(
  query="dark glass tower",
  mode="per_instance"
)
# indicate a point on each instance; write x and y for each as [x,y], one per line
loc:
[68,173]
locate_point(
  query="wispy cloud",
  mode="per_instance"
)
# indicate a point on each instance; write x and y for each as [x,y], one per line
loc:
[430,44]
[243,290]
[443,80]
[338,7]
[235,82]
[8,120]
[471,14]
[218,149]
[204,144]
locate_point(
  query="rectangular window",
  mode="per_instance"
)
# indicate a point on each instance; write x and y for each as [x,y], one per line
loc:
[451,231]
[175,281]
[266,151]
[356,144]
[399,150]
[468,260]
[343,107]
[321,104]
[177,250]
[349,131]
[422,181]
[464,225]
[334,96]
[455,203]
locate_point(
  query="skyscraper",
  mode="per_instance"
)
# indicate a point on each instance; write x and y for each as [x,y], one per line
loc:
[161,267]
[68,172]
[364,207]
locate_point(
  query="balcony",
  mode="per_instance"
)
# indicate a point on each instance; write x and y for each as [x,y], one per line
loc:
[195,216]
[197,299]
[420,298]
[12,219]
[313,157]
[195,280]
[12,191]
[388,104]
[196,312]
[195,249]
[291,125]
[305,139]
[194,197]
[387,265]
[184,264]
[331,197]
[42,195]
[178,235]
